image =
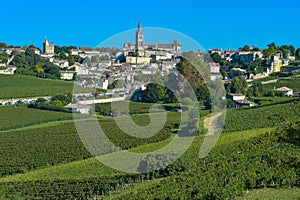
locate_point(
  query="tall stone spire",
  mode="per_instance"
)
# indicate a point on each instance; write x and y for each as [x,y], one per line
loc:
[139,38]
[139,25]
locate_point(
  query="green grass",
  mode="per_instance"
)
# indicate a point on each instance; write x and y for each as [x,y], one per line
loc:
[27,86]
[19,117]
[272,194]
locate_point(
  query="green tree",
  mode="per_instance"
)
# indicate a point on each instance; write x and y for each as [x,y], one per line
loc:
[57,103]
[272,49]
[95,59]
[216,57]
[255,49]
[64,99]
[4,57]
[116,84]
[136,54]
[297,54]
[237,85]
[246,48]
[39,67]
[155,93]
[71,60]
[224,73]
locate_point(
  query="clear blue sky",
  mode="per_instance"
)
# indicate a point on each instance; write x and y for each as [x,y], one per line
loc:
[214,24]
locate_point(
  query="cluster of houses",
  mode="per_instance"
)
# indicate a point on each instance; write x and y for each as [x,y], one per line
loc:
[140,58]
[277,61]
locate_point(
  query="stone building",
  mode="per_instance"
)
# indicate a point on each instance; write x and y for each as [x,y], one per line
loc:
[48,47]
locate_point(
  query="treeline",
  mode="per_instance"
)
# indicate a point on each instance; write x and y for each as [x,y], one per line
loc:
[57,103]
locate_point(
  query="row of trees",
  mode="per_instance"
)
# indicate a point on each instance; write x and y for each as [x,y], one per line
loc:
[272,48]
[57,103]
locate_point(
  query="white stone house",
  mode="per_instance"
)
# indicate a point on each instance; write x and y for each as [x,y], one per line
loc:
[286,91]
[66,75]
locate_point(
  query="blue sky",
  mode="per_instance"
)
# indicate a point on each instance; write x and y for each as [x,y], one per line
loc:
[213,24]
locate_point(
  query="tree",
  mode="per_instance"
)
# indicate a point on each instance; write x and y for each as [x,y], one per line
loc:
[136,54]
[272,49]
[30,55]
[4,57]
[216,57]
[287,50]
[155,93]
[3,45]
[237,85]
[95,59]
[71,60]
[116,84]
[297,54]
[246,48]
[255,49]
[64,99]
[39,67]
[224,73]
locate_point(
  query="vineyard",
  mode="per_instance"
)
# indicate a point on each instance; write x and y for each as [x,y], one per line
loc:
[26,150]
[26,86]
[257,117]
[52,163]
[231,170]
[293,83]
[90,168]
[17,117]
[264,194]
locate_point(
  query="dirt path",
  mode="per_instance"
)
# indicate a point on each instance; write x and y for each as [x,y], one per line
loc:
[209,123]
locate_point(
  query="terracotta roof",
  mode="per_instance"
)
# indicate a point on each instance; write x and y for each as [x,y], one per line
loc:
[214,64]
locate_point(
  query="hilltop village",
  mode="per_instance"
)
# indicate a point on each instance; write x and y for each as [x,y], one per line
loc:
[124,71]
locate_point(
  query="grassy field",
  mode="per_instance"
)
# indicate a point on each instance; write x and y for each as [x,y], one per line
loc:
[27,86]
[272,194]
[18,117]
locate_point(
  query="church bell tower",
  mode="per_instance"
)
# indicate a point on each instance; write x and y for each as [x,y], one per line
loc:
[139,38]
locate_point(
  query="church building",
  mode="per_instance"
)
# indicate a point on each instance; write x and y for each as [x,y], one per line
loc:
[48,47]
[142,48]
